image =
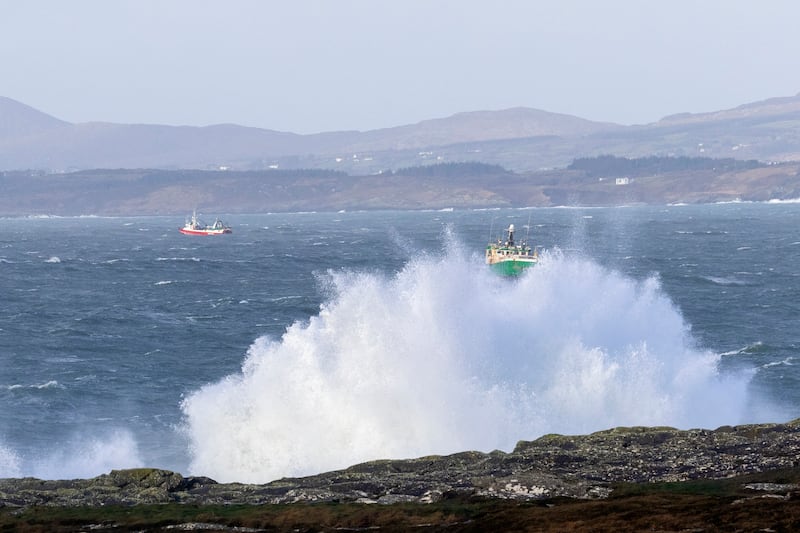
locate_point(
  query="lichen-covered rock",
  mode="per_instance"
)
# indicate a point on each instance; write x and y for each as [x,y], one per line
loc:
[144,478]
[551,466]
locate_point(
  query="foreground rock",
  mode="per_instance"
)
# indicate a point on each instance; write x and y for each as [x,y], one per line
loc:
[583,467]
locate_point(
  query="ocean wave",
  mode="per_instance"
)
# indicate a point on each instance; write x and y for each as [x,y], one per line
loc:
[756,347]
[48,385]
[702,233]
[444,357]
[786,201]
[9,463]
[285,298]
[722,280]
[784,362]
[734,201]
[82,456]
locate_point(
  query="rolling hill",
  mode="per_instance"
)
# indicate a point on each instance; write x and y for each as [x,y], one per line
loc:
[519,139]
[509,158]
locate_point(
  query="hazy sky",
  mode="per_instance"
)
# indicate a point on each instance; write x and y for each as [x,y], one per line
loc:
[322,65]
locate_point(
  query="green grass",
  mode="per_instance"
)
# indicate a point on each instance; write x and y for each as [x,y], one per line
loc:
[708,487]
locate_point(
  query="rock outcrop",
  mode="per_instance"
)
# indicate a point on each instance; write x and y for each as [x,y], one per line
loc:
[583,467]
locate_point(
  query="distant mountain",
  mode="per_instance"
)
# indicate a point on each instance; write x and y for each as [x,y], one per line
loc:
[32,139]
[780,106]
[19,120]
[478,126]
[519,139]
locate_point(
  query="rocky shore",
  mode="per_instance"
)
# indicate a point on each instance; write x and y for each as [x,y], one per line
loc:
[554,466]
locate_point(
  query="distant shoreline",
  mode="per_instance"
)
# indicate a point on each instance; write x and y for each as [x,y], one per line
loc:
[172,193]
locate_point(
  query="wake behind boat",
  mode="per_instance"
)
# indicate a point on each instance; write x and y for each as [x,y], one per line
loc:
[194,226]
[509,258]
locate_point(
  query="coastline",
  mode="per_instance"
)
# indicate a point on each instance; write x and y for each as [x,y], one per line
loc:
[553,466]
[621,479]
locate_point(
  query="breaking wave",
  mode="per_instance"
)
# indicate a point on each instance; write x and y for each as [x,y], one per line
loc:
[83,456]
[9,463]
[445,357]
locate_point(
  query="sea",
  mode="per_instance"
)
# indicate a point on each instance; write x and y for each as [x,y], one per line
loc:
[308,342]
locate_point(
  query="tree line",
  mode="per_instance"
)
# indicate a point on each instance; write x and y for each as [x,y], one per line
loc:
[450,170]
[609,165]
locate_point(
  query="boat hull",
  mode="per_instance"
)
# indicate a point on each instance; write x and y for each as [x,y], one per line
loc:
[186,231]
[511,267]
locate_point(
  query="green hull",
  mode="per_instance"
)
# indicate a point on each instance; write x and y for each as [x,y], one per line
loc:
[511,267]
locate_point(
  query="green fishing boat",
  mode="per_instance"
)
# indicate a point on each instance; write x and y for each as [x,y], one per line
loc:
[509,258]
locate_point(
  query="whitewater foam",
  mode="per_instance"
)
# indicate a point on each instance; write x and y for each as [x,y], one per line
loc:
[445,357]
[16,386]
[83,456]
[9,463]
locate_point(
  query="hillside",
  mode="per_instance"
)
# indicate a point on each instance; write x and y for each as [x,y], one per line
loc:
[519,139]
[19,121]
[593,182]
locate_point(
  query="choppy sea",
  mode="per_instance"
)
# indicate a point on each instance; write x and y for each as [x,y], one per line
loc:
[308,342]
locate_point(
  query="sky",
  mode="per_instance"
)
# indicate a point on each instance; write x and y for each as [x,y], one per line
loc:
[309,66]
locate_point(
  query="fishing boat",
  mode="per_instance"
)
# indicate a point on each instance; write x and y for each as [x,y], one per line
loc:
[194,226]
[508,258]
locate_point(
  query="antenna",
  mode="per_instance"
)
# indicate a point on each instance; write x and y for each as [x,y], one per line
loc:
[491,230]
[528,231]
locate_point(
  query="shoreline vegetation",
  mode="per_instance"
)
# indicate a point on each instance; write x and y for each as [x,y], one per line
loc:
[600,181]
[743,478]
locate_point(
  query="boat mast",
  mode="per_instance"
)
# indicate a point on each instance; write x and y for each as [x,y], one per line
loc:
[528,230]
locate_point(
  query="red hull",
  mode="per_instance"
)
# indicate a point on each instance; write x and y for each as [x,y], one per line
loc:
[203,232]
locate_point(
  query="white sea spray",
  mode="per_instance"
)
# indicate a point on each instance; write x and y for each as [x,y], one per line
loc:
[445,357]
[86,456]
[9,463]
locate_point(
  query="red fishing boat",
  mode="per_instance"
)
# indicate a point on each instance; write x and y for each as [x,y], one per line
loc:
[194,226]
